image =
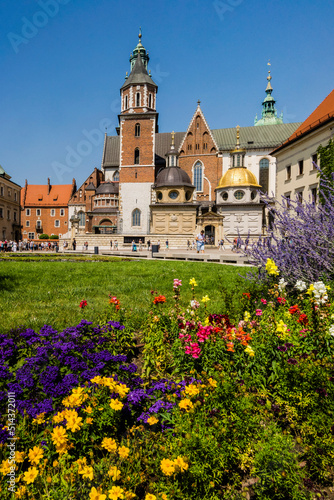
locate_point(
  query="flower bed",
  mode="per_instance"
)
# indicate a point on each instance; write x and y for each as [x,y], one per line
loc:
[220,410]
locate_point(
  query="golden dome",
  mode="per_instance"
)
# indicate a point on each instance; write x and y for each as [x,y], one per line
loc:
[238,176]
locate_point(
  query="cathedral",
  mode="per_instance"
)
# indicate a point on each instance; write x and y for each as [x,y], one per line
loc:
[155,185]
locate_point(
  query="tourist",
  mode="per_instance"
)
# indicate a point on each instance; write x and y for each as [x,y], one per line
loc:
[148,244]
[116,245]
[110,244]
[133,246]
[166,244]
[158,245]
[200,242]
[74,244]
[188,245]
[140,245]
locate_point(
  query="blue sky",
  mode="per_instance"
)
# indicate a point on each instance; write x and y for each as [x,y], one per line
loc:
[64,61]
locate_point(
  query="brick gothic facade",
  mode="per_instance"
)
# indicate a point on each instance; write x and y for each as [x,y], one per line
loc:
[134,157]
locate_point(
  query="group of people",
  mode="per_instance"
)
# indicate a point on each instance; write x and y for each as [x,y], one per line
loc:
[29,245]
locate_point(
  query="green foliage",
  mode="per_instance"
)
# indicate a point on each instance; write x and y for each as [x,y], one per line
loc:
[54,237]
[43,236]
[326,155]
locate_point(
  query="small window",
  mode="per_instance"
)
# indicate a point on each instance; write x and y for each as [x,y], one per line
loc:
[52,212]
[288,172]
[9,192]
[314,159]
[28,211]
[62,212]
[138,99]
[27,223]
[8,214]
[300,167]
[150,101]
[198,176]
[38,224]
[159,195]
[188,195]
[126,102]
[31,236]
[116,176]
[173,195]
[57,223]
[1,190]
[136,217]
[314,195]
[137,130]
[189,147]
[225,196]
[136,159]
[299,195]
[38,212]
[253,195]
[238,195]
[288,200]
[15,196]
[15,216]
[1,213]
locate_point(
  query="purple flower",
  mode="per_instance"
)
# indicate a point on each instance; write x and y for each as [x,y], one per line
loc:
[282,348]
[292,361]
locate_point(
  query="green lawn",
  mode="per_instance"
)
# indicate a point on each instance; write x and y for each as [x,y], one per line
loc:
[38,291]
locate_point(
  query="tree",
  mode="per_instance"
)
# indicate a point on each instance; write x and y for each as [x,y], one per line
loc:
[326,156]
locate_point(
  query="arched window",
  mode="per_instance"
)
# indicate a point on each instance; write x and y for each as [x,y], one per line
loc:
[198,176]
[137,130]
[264,175]
[138,99]
[126,102]
[150,101]
[136,162]
[81,216]
[116,176]
[136,217]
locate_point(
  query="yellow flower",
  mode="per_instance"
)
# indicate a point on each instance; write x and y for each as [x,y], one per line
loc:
[19,456]
[109,444]
[114,473]
[205,299]
[281,327]
[20,492]
[35,455]
[59,436]
[247,316]
[59,417]
[167,466]
[96,380]
[74,424]
[310,289]
[30,475]
[82,462]
[72,400]
[212,382]
[164,496]
[191,390]
[192,282]
[123,451]
[185,404]
[180,464]
[96,494]
[39,419]
[250,351]
[55,463]
[116,405]
[122,390]
[152,420]
[149,496]
[62,448]
[87,472]
[271,267]
[88,410]
[89,420]
[5,467]
[116,492]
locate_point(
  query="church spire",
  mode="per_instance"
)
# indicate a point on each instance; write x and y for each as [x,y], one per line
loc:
[139,49]
[269,112]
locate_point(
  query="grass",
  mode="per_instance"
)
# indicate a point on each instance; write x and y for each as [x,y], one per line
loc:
[45,290]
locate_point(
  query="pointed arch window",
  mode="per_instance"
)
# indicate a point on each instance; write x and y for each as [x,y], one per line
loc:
[126,102]
[198,176]
[136,159]
[136,217]
[116,176]
[150,101]
[264,175]
[138,99]
[137,130]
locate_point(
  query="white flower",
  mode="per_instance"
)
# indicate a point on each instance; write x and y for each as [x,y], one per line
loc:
[331,330]
[300,285]
[282,284]
[320,292]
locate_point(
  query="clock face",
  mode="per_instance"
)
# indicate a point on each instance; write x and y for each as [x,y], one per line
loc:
[173,195]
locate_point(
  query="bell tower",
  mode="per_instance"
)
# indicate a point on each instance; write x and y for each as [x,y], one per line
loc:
[138,126]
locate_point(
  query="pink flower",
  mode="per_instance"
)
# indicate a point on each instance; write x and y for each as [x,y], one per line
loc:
[177,283]
[258,312]
[193,349]
[263,301]
[204,333]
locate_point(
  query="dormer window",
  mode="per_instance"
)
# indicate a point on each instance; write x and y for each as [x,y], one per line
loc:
[137,130]
[138,99]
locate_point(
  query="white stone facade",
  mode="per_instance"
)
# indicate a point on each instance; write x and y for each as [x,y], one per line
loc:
[136,196]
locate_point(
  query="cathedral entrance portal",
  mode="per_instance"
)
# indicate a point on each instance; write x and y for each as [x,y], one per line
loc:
[209,235]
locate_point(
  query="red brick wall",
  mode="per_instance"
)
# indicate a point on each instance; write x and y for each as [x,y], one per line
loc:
[48,222]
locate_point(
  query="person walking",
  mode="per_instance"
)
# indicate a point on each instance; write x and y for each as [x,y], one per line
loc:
[166,244]
[188,245]
[148,244]
[110,244]
[116,245]
[74,244]
[200,242]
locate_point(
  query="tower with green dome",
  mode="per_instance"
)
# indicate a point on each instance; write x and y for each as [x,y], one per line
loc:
[269,112]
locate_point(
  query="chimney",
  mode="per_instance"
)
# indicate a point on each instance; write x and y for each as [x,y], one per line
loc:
[49,186]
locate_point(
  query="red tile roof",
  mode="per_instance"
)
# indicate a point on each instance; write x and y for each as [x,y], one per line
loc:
[323,113]
[59,195]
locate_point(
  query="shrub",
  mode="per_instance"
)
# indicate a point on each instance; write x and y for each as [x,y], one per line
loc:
[43,236]
[54,237]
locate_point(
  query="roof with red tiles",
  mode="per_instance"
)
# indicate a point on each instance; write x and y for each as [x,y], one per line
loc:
[322,114]
[46,195]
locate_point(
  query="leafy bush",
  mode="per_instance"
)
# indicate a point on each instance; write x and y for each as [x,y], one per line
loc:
[43,236]
[54,237]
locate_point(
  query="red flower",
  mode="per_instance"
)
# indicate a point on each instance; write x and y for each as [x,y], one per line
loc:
[281,300]
[83,304]
[246,295]
[303,319]
[160,299]
[114,300]
[294,309]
